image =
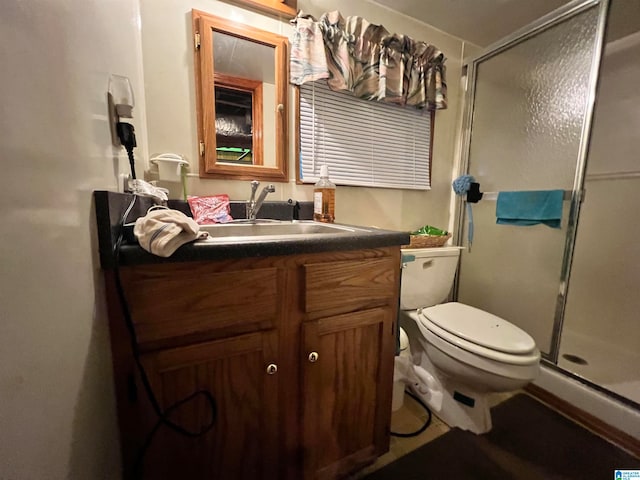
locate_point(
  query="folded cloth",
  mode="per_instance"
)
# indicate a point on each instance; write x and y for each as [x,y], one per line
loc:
[530,208]
[162,231]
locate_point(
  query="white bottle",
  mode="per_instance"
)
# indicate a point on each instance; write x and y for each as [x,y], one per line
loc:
[324,198]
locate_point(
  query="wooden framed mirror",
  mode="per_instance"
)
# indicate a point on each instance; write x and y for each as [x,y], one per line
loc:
[241,92]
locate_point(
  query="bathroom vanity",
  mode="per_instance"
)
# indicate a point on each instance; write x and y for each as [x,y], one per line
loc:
[293,338]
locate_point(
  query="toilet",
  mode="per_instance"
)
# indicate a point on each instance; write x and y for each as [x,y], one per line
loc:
[460,354]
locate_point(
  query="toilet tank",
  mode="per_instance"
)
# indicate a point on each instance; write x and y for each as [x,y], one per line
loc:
[427,275]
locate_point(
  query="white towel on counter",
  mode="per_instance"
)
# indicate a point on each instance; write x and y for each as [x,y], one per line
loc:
[161,232]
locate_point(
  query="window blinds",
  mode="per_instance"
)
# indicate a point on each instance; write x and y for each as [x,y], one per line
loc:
[364,143]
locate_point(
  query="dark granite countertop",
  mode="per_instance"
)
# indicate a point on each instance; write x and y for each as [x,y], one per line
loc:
[110,207]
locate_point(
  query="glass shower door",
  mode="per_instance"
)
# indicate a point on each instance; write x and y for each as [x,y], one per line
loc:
[600,334]
[531,101]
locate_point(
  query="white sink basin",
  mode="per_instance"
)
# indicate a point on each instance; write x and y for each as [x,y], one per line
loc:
[274,230]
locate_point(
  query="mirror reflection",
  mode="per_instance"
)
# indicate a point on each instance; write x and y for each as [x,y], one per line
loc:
[241,75]
[235,142]
[244,71]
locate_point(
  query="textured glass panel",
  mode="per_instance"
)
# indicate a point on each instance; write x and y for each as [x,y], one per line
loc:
[601,317]
[530,103]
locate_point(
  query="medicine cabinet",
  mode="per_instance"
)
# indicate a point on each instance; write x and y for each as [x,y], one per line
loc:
[241,77]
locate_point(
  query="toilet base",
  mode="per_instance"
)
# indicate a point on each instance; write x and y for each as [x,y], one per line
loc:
[457,405]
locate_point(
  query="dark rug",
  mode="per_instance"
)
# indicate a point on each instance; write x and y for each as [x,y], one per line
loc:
[528,441]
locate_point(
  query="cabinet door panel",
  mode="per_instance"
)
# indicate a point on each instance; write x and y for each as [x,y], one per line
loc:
[243,441]
[346,396]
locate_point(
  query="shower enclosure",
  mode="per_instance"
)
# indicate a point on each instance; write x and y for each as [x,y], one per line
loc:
[601,330]
[557,106]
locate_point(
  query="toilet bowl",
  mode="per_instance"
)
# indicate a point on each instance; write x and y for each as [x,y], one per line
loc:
[468,354]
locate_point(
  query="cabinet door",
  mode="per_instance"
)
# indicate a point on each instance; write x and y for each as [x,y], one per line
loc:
[347,391]
[243,442]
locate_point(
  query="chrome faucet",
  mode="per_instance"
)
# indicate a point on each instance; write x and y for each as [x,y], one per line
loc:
[253,205]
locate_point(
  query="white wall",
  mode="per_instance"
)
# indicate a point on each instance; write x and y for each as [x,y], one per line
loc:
[169,76]
[57,406]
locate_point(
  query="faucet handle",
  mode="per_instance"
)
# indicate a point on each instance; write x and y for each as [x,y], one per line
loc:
[254,188]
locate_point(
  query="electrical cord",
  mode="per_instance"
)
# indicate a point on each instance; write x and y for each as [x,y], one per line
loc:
[163,415]
[127,136]
[423,427]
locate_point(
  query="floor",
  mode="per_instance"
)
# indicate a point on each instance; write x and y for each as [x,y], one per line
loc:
[409,418]
[528,441]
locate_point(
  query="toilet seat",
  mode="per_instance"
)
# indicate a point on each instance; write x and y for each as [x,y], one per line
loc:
[526,371]
[479,350]
[480,333]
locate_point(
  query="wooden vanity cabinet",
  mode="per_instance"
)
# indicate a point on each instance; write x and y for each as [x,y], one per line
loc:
[297,351]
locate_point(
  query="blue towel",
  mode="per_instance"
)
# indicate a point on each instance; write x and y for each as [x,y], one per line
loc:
[530,208]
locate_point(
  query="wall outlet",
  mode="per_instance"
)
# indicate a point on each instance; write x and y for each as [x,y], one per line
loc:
[123,182]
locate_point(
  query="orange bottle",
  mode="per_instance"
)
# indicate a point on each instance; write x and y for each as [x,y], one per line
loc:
[324,198]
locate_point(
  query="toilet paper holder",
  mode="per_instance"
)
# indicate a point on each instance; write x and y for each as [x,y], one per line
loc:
[170,166]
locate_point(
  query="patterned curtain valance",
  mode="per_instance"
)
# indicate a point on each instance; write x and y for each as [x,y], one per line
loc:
[367,60]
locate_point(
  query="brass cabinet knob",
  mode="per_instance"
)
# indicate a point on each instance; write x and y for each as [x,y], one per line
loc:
[272,368]
[313,357]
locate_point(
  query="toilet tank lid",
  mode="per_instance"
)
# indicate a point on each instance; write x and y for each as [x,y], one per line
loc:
[432,252]
[480,327]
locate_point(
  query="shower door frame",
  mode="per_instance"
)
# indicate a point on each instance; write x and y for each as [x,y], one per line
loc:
[470,68]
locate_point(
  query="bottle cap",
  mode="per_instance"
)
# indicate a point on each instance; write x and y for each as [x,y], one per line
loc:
[324,171]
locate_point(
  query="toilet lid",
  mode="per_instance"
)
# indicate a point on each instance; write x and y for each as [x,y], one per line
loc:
[478,327]
[447,338]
